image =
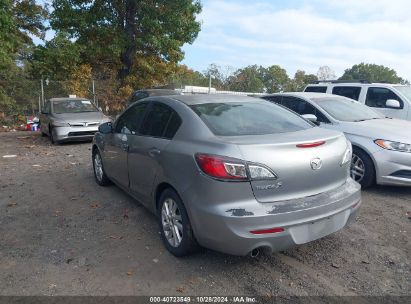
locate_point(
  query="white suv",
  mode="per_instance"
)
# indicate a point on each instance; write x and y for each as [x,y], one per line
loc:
[393,100]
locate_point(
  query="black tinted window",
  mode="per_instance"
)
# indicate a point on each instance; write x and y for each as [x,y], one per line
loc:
[130,121]
[161,121]
[316,89]
[302,107]
[377,97]
[248,118]
[276,99]
[350,92]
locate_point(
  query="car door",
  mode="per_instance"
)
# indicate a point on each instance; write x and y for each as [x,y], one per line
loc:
[146,150]
[377,97]
[116,149]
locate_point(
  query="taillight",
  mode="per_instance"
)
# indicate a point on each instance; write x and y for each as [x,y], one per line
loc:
[222,167]
[227,168]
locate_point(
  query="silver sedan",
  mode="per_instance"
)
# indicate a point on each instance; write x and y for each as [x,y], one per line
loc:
[381,146]
[70,119]
[234,174]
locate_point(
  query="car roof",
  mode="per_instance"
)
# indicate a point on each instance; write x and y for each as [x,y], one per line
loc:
[212,98]
[358,84]
[159,91]
[66,98]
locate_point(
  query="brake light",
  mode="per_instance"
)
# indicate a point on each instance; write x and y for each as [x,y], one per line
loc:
[311,145]
[222,167]
[266,231]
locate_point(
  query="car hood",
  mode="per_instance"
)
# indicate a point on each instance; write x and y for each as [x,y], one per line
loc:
[388,129]
[81,117]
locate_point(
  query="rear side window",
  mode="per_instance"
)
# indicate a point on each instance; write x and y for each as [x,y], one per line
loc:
[349,92]
[130,121]
[248,118]
[276,99]
[377,97]
[316,89]
[161,121]
[302,107]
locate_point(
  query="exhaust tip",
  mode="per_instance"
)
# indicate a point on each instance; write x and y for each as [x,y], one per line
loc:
[255,253]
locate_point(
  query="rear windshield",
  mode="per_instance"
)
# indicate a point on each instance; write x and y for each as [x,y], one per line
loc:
[73,106]
[250,118]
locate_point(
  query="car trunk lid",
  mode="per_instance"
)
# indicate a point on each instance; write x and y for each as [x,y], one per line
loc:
[306,162]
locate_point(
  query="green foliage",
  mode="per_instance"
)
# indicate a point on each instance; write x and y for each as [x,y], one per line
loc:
[275,78]
[373,73]
[247,79]
[57,59]
[301,79]
[118,32]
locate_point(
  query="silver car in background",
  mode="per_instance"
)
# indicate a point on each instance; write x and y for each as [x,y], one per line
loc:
[234,174]
[70,119]
[381,146]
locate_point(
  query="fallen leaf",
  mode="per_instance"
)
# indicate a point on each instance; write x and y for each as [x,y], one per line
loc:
[180,289]
[129,273]
[116,237]
[94,205]
[12,205]
[335,265]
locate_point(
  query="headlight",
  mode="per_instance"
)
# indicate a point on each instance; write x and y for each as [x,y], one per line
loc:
[392,145]
[347,154]
[60,124]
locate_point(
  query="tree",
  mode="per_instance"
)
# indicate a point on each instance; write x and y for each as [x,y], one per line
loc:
[246,80]
[301,79]
[373,73]
[120,32]
[326,73]
[275,78]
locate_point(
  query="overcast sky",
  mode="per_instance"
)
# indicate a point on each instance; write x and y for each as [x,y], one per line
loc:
[303,34]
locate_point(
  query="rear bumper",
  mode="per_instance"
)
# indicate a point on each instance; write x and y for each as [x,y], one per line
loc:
[393,168]
[227,229]
[75,133]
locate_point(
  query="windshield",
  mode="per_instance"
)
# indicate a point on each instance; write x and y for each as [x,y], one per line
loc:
[248,118]
[73,106]
[405,90]
[345,109]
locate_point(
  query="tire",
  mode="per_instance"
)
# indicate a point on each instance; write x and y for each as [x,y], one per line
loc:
[98,169]
[52,136]
[187,243]
[361,161]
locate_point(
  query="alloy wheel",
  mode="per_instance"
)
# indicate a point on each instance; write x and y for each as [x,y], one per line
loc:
[357,168]
[172,222]
[98,167]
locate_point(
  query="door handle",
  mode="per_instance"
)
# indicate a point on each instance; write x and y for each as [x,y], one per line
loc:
[153,152]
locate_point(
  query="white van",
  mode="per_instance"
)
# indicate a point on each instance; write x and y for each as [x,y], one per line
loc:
[393,100]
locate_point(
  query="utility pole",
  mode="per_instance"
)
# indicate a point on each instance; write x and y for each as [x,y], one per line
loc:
[42,92]
[209,83]
[94,94]
[39,104]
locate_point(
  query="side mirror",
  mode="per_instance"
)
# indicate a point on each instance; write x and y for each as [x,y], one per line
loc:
[310,117]
[106,128]
[393,104]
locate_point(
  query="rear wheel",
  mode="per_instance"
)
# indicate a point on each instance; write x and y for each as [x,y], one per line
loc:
[362,168]
[99,174]
[176,231]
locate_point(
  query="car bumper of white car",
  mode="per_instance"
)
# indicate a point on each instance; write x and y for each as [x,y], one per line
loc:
[393,168]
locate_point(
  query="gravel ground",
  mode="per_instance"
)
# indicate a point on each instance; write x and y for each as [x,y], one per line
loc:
[61,234]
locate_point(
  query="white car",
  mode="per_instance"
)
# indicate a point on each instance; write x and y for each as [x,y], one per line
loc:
[392,100]
[381,146]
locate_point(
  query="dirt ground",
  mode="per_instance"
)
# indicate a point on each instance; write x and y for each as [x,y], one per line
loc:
[61,234]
